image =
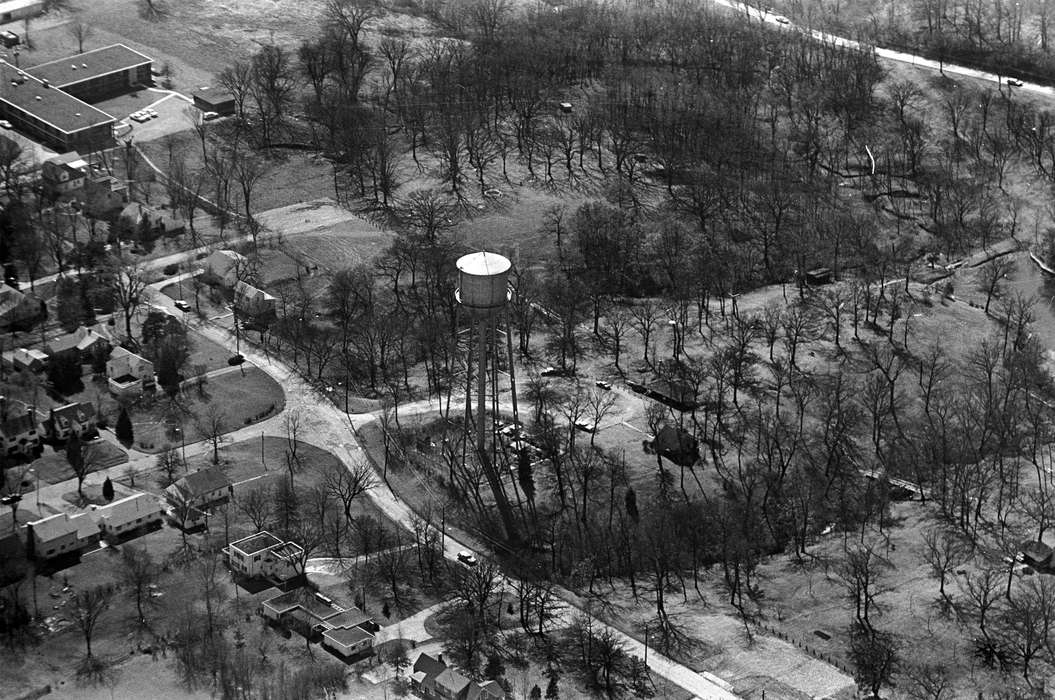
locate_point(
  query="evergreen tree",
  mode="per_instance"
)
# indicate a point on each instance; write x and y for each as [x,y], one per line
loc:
[108,490]
[123,429]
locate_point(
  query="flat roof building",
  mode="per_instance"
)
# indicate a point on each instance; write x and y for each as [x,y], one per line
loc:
[96,75]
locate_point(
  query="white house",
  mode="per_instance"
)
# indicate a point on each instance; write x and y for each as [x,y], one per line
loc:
[15,10]
[222,266]
[61,534]
[128,374]
[200,489]
[127,514]
[252,301]
[264,555]
[347,642]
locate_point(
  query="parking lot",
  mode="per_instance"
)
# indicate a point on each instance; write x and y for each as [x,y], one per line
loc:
[172,110]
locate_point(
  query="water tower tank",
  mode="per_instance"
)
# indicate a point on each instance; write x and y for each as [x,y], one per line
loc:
[483,281]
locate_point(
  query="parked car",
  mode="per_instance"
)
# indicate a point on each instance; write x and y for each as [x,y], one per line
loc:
[603,384]
[182,305]
[467,558]
[782,20]
[209,116]
[150,113]
[1014,82]
[550,371]
[5,124]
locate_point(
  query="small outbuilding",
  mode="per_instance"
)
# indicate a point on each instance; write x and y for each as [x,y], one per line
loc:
[678,445]
[211,99]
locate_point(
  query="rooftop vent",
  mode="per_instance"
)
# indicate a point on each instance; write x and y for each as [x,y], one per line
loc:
[84,65]
[73,66]
[38,97]
[76,114]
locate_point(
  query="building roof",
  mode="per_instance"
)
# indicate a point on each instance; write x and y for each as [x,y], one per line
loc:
[485,690]
[18,424]
[15,5]
[55,107]
[29,355]
[256,543]
[10,298]
[453,681]
[68,71]
[202,482]
[347,636]
[429,665]
[348,619]
[119,353]
[303,599]
[82,339]
[678,445]
[247,291]
[79,412]
[212,95]
[56,526]
[231,255]
[125,510]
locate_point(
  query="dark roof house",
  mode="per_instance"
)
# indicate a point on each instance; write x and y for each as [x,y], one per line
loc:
[201,487]
[677,445]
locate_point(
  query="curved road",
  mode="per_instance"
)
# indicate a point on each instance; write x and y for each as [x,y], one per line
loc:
[334,430]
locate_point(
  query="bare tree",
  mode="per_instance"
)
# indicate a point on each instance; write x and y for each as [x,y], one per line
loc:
[169,465]
[943,550]
[88,606]
[248,170]
[79,30]
[257,504]
[138,572]
[127,282]
[345,485]
[993,274]
[213,426]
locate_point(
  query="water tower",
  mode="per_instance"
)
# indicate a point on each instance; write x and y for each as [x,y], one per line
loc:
[483,293]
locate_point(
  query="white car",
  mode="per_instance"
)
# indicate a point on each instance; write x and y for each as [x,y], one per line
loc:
[467,558]
[5,124]
[209,116]
[138,117]
[1014,82]
[780,19]
[150,113]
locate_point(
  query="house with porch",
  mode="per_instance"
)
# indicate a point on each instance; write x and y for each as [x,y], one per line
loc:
[201,489]
[346,631]
[432,678]
[19,432]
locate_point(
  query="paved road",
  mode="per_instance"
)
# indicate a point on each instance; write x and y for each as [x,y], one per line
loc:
[776,20]
[333,430]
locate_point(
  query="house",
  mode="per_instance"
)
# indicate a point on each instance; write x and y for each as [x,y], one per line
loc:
[252,301]
[265,556]
[201,489]
[431,678]
[160,223]
[313,615]
[211,99]
[72,419]
[129,514]
[678,445]
[819,276]
[15,10]
[222,267]
[19,311]
[19,433]
[26,359]
[83,342]
[64,174]
[348,642]
[128,374]
[61,534]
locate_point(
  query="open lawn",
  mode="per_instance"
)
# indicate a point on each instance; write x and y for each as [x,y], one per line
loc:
[239,398]
[52,466]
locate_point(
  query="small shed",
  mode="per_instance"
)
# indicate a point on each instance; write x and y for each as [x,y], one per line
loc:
[1036,554]
[210,99]
[677,445]
[820,276]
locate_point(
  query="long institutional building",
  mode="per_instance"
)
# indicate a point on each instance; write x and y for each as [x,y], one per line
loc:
[51,102]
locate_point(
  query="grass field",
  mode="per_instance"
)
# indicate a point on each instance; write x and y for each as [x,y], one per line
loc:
[52,467]
[241,400]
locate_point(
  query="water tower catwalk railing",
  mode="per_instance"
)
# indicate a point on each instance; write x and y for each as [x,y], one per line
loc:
[483,294]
